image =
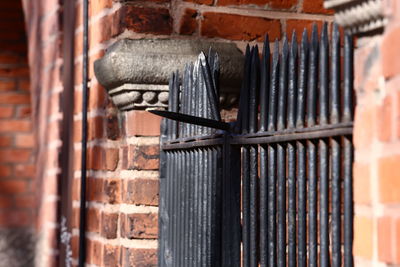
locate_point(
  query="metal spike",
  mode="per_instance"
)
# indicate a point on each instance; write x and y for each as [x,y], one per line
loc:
[254,90]
[264,85]
[211,92]
[273,91]
[282,95]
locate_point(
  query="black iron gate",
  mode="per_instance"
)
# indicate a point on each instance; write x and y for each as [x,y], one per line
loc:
[275,187]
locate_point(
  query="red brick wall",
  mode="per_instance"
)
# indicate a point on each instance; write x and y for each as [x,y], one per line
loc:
[123,146]
[16,139]
[377,146]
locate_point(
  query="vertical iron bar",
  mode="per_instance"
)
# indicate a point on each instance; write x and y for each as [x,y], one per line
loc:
[175,104]
[210,90]
[162,219]
[242,122]
[246,204]
[336,204]
[85,76]
[253,115]
[348,79]
[324,204]
[283,81]
[311,150]
[264,91]
[348,151]
[264,85]
[292,83]
[323,150]
[291,205]
[271,226]
[281,158]
[196,202]
[301,153]
[312,203]
[302,87]
[281,199]
[335,76]
[291,151]
[196,105]
[302,202]
[190,209]
[273,91]
[323,76]
[348,201]
[312,79]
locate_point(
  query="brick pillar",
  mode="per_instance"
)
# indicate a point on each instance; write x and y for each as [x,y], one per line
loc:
[377,145]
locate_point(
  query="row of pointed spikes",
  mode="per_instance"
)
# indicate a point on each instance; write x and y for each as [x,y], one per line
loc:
[252,65]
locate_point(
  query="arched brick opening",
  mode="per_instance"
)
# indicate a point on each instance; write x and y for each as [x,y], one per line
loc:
[17,199]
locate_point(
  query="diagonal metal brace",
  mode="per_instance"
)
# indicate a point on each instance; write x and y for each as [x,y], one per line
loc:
[192,119]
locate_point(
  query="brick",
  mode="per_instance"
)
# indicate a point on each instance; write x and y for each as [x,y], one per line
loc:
[143,157]
[139,225]
[5,202]
[94,189]
[142,192]
[98,96]
[14,98]
[5,141]
[389,179]
[390,42]
[6,112]
[299,25]
[15,155]
[5,170]
[12,72]
[15,218]
[201,2]
[111,158]
[109,225]
[364,126]
[95,128]
[139,257]
[385,233]
[24,140]
[279,4]
[142,123]
[111,255]
[24,85]
[112,190]
[362,187]
[237,27]
[94,252]
[15,126]
[188,24]
[13,186]
[363,237]
[112,128]
[316,6]
[7,85]
[24,170]
[384,122]
[143,20]
[26,201]
[23,112]
[95,158]
[93,220]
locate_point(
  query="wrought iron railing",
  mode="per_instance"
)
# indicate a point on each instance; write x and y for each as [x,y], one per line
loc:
[275,187]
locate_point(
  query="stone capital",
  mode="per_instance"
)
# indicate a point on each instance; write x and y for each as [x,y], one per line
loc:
[135,73]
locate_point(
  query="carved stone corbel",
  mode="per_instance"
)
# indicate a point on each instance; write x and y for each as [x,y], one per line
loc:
[135,73]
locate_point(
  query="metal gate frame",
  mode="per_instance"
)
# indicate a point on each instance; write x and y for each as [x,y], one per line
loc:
[289,153]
